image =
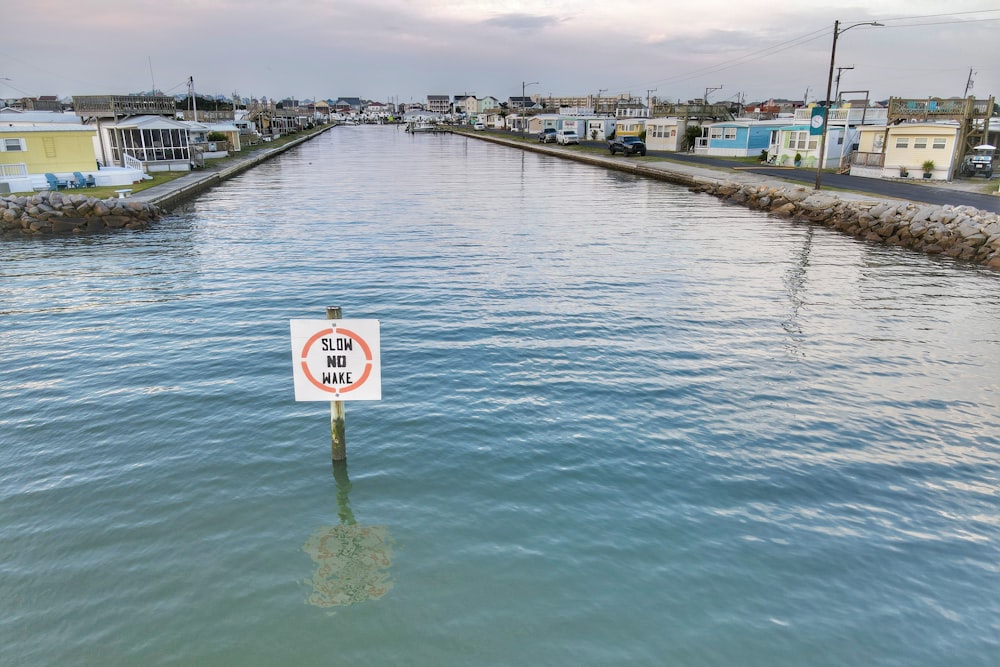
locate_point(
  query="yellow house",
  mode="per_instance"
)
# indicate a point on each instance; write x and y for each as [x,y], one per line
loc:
[27,153]
[900,151]
[630,127]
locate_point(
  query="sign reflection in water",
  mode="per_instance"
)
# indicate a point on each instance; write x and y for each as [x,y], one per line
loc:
[352,560]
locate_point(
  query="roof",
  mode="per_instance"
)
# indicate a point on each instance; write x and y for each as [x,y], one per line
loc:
[24,117]
[149,123]
[22,129]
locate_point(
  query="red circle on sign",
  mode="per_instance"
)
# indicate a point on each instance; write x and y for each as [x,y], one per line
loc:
[353,336]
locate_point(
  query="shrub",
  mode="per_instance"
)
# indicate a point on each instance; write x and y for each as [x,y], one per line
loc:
[216,136]
[928,166]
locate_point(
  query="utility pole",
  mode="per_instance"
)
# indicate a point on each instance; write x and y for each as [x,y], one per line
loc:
[836,95]
[598,104]
[649,101]
[968,83]
[710,90]
[194,103]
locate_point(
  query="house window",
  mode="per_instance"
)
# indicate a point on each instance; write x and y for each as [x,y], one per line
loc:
[11,145]
[730,133]
[939,144]
[902,142]
[715,133]
[920,142]
[801,141]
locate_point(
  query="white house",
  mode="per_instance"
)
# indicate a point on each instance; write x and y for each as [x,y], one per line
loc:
[666,134]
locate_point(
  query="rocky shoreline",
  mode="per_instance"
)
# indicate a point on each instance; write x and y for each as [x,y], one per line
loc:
[962,232]
[53,212]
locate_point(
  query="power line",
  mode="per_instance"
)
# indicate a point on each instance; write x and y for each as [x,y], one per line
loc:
[747,58]
[918,25]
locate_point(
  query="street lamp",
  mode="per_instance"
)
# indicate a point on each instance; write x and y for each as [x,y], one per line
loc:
[837,31]
[523,86]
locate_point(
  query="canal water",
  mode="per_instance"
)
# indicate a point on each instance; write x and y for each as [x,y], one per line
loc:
[621,424]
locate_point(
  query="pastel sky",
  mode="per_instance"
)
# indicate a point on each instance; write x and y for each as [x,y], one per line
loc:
[403,50]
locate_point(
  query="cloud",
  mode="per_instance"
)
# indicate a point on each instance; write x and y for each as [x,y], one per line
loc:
[523,22]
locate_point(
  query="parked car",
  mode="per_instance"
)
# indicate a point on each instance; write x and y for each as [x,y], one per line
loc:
[479,126]
[627,146]
[567,137]
[547,136]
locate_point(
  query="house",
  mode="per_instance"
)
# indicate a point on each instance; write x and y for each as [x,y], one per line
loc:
[535,124]
[738,138]
[891,152]
[841,137]
[35,143]
[493,119]
[347,105]
[200,134]
[630,127]
[466,104]
[520,103]
[599,128]
[152,143]
[439,103]
[487,103]
[667,134]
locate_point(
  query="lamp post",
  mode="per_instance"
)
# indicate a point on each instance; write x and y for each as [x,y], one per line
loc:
[837,31]
[523,86]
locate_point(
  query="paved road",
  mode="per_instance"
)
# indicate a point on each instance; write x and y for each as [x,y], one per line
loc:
[928,194]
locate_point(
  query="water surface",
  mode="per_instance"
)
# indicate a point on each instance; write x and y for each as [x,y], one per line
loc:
[621,424]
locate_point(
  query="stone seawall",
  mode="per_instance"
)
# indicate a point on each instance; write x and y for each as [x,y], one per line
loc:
[962,232]
[54,212]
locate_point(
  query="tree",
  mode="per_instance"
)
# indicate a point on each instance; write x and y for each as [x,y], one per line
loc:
[691,135]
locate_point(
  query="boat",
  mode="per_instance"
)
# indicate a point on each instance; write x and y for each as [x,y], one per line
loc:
[416,126]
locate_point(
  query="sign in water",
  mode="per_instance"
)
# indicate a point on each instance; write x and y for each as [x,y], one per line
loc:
[336,360]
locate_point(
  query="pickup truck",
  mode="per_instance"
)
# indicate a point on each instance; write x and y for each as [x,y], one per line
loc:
[627,146]
[547,136]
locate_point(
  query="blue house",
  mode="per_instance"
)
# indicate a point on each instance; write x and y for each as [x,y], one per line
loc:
[738,138]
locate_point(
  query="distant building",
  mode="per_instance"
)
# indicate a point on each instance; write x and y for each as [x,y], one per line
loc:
[439,103]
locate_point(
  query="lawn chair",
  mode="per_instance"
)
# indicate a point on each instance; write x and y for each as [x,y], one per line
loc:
[55,183]
[83,182]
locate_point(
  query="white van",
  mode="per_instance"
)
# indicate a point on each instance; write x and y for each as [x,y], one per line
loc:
[566,137]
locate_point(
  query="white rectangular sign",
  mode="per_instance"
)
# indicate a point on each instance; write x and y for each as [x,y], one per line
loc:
[336,360]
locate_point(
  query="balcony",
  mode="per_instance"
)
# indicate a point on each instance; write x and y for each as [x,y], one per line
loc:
[846,116]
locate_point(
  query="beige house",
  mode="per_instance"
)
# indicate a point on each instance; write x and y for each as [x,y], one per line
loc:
[666,134]
[900,151]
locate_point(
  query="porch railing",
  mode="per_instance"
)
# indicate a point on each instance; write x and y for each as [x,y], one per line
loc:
[859,159]
[847,115]
[132,162]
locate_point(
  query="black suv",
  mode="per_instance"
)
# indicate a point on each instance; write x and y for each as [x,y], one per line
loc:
[627,146]
[547,136]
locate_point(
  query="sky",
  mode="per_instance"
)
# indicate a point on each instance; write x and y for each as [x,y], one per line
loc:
[403,50]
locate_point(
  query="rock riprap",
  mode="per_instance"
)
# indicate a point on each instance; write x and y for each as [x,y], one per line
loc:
[53,212]
[962,232]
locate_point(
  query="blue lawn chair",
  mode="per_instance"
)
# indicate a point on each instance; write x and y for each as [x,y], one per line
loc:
[83,182]
[55,183]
